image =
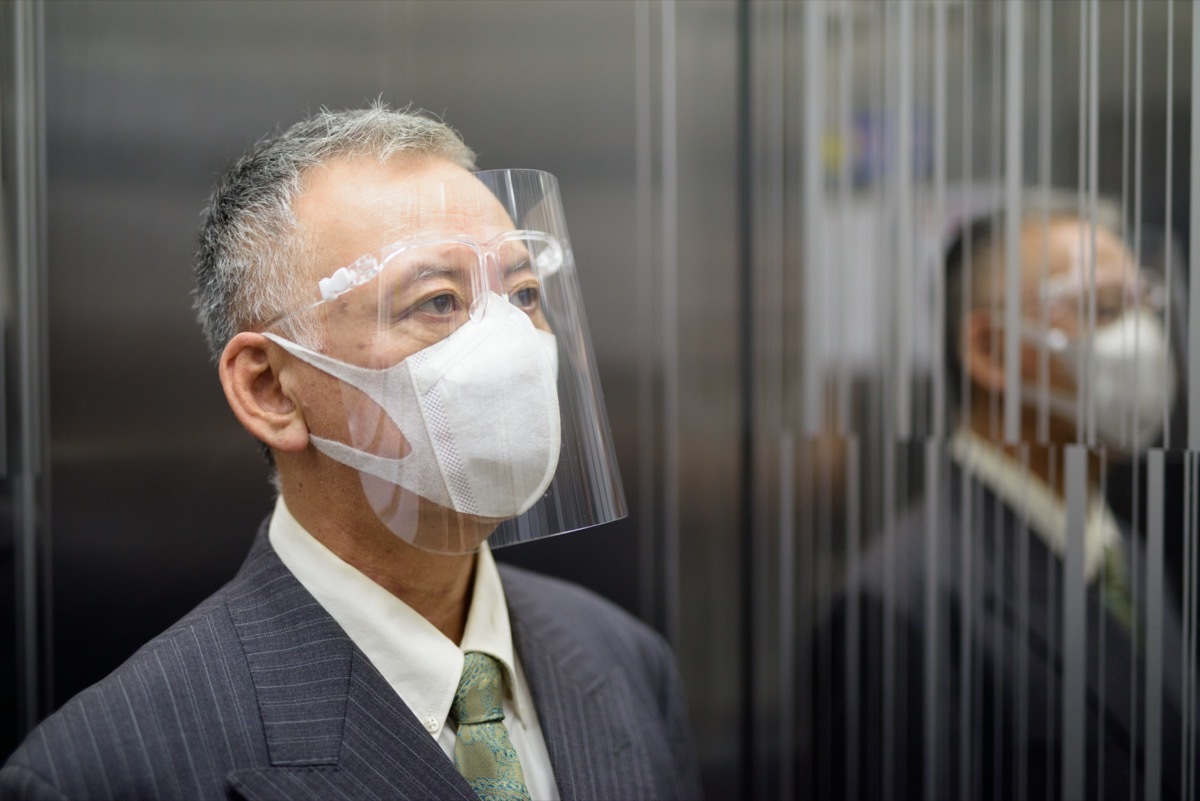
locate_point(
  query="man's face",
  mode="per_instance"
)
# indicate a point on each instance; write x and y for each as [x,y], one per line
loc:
[1057,271]
[412,218]
[437,241]
[1087,315]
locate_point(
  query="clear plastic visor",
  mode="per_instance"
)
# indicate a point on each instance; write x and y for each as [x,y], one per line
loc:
[469,406]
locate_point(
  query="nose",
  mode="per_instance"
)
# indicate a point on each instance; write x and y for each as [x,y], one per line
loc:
[493,273]
[490,281]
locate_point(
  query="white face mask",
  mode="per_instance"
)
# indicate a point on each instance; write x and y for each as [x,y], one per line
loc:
[478,409]
[1133,379]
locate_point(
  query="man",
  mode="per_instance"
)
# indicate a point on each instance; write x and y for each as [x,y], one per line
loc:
[404,338]
[972,587]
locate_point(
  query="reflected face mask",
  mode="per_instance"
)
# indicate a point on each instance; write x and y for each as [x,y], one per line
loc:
[479,411]
[1132,375]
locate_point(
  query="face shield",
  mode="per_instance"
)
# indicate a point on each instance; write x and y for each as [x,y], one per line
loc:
[470,404]
[1111,339]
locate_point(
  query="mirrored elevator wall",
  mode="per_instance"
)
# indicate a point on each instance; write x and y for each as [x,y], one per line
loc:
[969,581]
[760,197]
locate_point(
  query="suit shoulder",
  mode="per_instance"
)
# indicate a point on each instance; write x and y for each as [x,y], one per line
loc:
[570,601]
[572,616]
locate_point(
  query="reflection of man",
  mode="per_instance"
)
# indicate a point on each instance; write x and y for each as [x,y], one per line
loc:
[995,531]
[404,337]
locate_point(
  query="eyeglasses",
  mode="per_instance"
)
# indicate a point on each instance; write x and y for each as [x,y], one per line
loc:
[437,278]
[1064,298]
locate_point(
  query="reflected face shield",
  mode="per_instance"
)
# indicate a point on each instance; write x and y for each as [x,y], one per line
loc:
[1114,345]
[469,398]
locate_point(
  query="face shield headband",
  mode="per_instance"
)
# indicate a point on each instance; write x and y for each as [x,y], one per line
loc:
[470,405]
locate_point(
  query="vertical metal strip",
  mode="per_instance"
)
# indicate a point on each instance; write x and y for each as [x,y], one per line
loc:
[1101,585]
[998,563]
[670,325]
[1045,123]
[966,637]
[1051,726]
[934,447]
[1139,66]
[1081,366]
[1155,491]
[815,266]
[905,219]
[771,114]
[1189,615]
[1169,191]
[787,616]
[895,423]
[1191,574]
[648,528]
[845,296]
[1192,583]
[1014,93]
[995,167]
[1093,154]
[891,661]
[934,526]
[1194,247]
[852,702]
[746,397]
[32,529]
[1074,626]
[1023,661]
[937,347]
[966,548]
[1136,569]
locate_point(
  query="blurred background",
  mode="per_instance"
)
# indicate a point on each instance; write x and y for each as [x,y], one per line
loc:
[758,195]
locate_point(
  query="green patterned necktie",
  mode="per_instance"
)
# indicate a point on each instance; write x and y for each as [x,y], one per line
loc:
[483,753]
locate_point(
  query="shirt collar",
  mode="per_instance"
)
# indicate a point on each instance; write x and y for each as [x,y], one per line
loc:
[1037,503]
[421,664]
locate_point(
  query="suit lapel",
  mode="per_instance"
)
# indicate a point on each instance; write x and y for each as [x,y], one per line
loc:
[587,716]
[334,727]
[1112,653]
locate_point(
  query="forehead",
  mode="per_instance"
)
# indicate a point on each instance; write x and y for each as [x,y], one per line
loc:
[1064,250]
[348,208]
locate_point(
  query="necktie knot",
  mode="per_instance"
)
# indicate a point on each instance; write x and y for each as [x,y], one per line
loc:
[480,691]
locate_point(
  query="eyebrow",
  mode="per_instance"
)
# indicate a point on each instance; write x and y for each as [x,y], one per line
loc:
[520,265]
[427,272]
[427,269]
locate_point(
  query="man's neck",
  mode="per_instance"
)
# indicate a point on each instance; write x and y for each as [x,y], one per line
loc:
[1044,458]
[436,586]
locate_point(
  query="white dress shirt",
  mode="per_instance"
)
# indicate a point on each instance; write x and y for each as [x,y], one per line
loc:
[1042,506]
[420,663]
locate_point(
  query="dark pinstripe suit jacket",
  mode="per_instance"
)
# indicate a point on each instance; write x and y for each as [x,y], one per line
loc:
[258,693]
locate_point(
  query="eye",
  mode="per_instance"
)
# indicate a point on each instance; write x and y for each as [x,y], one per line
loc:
[527,298]
[440,305]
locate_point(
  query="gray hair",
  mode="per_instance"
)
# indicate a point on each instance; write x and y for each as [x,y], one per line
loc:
[250,249]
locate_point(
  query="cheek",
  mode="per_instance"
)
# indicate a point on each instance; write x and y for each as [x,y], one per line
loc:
[324,407]
[540,321]
[370,428]
[1060,377]
[337,411]
[354,347]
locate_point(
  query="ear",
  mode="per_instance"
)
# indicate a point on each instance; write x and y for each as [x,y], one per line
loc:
[981,351]
[249,370]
